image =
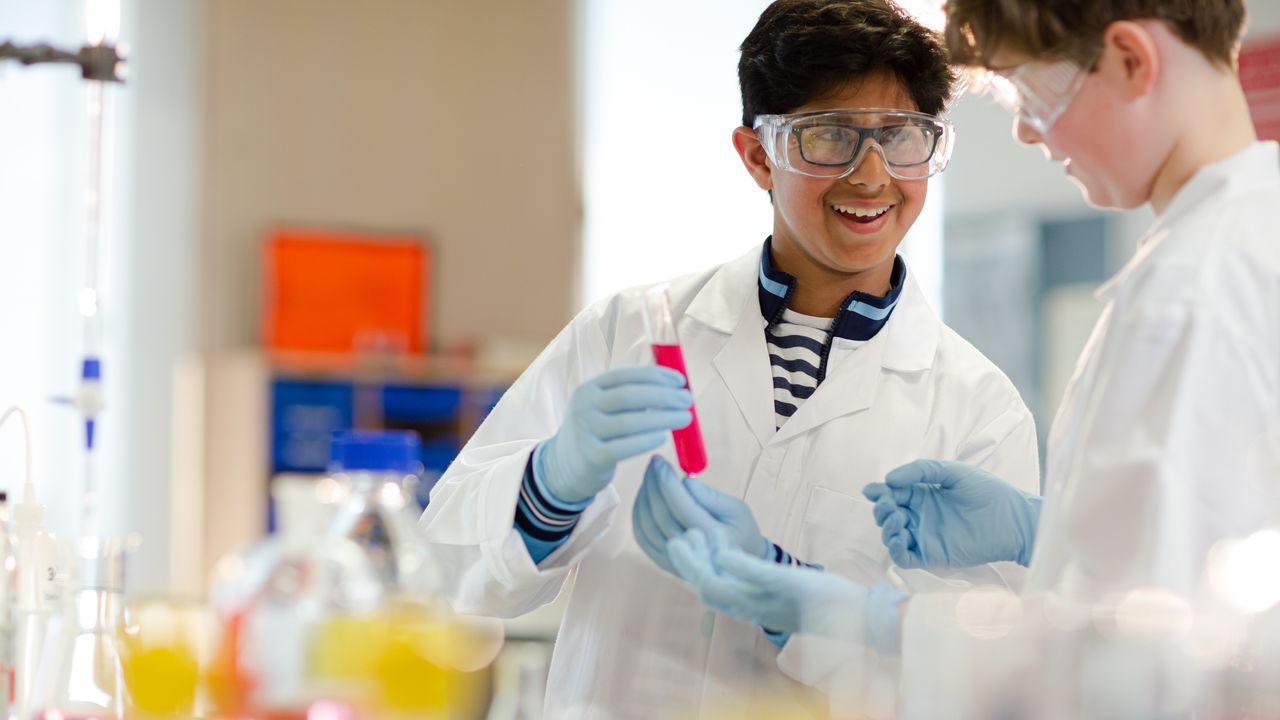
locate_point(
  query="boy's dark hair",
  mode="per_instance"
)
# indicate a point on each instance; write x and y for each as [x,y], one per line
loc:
[1073,29]
[801,50]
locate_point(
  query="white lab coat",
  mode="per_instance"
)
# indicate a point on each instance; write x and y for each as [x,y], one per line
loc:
[633,643]
[1164,444]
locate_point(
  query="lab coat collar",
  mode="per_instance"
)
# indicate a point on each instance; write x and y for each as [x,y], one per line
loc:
[1253,168]
[861,315]
[729,303]
[1257,167]
[913,331]
[719,303]
[911,341]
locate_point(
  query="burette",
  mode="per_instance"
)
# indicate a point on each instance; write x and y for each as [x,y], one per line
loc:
[103,21]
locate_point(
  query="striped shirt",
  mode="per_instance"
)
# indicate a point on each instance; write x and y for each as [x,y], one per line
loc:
[796,346]
[799,344]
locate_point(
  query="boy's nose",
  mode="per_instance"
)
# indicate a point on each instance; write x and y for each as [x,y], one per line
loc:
[871,171]
[1024,133]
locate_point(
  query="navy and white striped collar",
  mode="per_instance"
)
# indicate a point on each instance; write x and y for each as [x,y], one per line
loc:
[861,315]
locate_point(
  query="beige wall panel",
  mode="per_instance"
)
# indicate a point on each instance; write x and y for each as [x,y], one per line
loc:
[451,118]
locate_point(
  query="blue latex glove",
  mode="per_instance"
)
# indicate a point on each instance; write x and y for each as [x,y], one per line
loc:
[786,598]
[619,414]
[668,504]
[943,514]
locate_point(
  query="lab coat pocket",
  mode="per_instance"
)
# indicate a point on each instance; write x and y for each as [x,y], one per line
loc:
[840,534]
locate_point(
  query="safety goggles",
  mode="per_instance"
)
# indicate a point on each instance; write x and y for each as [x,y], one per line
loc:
[833,143]
[1037,93]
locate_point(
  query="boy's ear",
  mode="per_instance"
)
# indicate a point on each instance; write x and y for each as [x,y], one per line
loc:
[1131,57]
[753,156]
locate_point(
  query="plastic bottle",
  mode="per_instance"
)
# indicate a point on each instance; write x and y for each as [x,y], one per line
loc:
[378,470]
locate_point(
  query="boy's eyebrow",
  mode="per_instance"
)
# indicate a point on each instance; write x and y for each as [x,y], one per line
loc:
[867,111]
[888,115]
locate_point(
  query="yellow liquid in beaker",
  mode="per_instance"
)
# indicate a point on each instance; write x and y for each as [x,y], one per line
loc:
[161,680]
[403,661]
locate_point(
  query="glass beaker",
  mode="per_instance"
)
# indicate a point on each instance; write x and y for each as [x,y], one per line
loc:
[164,649]
[81,677]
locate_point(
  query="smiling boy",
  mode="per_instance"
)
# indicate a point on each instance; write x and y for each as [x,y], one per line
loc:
[815,364]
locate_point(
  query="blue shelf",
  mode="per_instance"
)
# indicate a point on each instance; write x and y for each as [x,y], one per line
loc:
[306,413]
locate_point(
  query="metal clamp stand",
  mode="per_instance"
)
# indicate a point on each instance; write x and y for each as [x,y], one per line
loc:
[96,62]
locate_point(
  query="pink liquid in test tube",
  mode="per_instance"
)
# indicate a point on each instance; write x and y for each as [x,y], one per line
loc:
[690,452]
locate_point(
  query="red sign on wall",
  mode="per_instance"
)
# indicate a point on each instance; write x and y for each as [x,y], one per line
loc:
[1260,76]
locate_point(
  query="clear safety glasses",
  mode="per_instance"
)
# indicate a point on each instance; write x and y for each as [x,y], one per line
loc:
[1037,93]
[833,143]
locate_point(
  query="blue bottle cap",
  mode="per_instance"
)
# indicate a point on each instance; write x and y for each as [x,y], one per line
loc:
[376,450]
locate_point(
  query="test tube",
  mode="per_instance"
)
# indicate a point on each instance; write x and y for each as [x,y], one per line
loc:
[661,329]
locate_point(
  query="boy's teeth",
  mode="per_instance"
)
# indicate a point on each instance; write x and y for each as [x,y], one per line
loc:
[862,212]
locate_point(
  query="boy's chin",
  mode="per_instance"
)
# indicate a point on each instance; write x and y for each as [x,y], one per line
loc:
[865,256]
[1096,198]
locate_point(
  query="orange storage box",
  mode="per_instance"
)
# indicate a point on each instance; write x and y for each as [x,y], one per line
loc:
[328,291]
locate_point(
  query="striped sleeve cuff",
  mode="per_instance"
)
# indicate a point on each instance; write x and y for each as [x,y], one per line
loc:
[779,639]
[544,522]
[782,557]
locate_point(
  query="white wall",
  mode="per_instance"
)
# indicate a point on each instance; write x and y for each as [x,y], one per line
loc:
[1264,17]
[664,192]
[156,313]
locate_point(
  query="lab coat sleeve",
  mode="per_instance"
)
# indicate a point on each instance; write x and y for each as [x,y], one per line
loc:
[477,557]
[1175,454]
[1172,451]
[959,651]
